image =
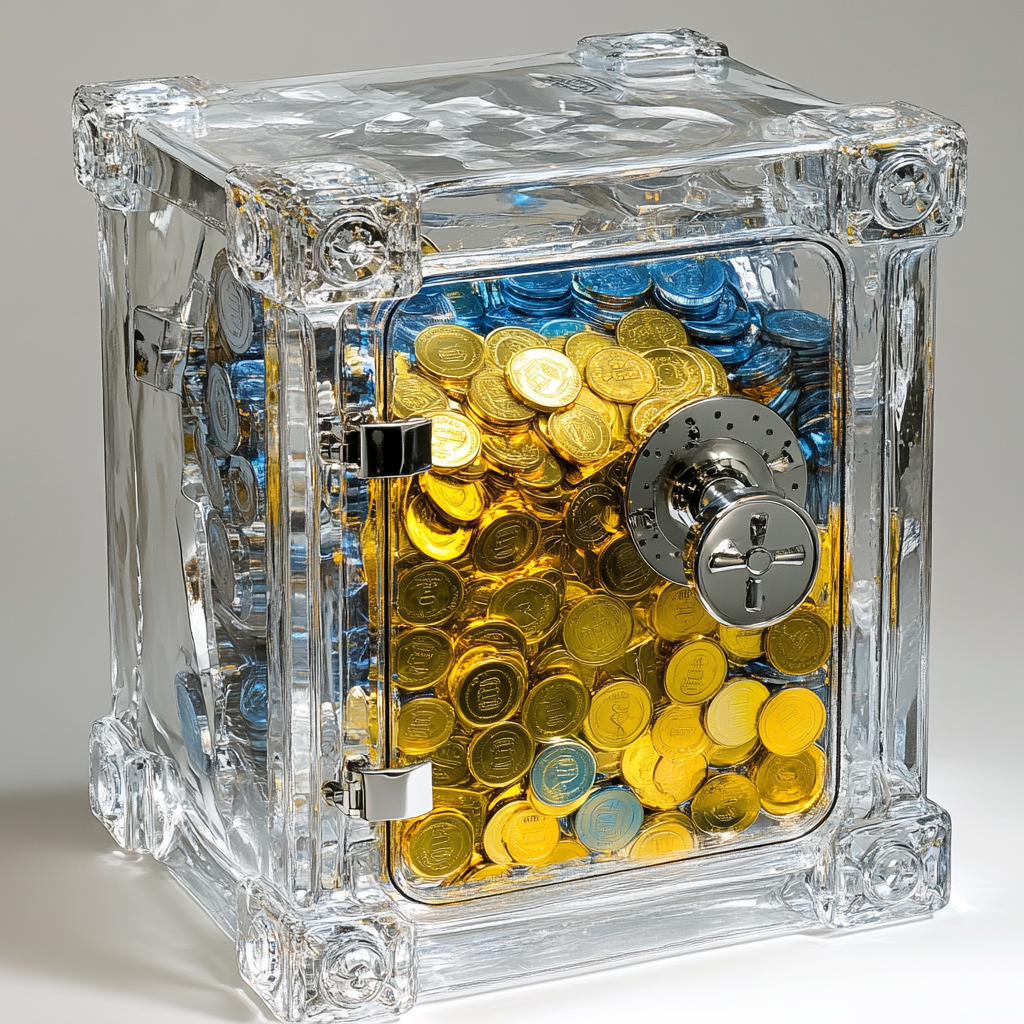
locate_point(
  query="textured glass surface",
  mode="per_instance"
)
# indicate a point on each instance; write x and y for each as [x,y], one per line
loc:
[270,254]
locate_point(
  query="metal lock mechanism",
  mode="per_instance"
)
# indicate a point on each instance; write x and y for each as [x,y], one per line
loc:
[715,499]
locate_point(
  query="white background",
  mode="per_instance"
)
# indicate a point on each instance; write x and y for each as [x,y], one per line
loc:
[87,933]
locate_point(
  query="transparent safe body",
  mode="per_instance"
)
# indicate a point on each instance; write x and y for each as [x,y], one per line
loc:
[518,481]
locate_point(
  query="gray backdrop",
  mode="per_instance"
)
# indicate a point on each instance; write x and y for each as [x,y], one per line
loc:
[963,60]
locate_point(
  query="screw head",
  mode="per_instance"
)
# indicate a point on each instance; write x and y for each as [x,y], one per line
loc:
[905,193]
[893,872]
[354,973]
[351,250]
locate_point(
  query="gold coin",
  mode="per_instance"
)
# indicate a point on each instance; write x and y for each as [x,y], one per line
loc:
[725,803]
[438,844]
[580,347]
[678,732]
[470,803]
[423,725]
[421,657]
[414,395]
[494,845]
[429,594]
[677,370]
[505,342]
[716,380]
[622,571]
[485,871]
[502,636]
[517,454]
[567,850]
[543,477]
[543,379]
[608,411]
[619,375]
[593,514]
[800,644]
[650,413]
[506,540]
[449,352]
[531,604]
[741,644]
[555,708]
[731,717]
[619,713]
[597,629]
[639,759]
[791,721]
[579,435]
[609,762]
[720,755]
[695,672]
[487,687]
[451,761]
[529,836]
[455,440]
[644,329]
[661,840]
[677,613]
[500,755]
[461,500]
[435,536]
[789,785]
[475,472]
[490,398]
[679,777]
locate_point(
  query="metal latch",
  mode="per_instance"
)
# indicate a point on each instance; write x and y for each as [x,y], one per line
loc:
[382,794]
[387,449]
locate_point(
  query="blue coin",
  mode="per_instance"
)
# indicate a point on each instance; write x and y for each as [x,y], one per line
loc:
[816,446]
[729,322]
[469,307]
[551,285]
[505,316]
[618,284]
[731,355]
[784,402]
[609,819]
[767,364]
[688,283]
[253,699]
[798,328]
[539,307]
[561,327]
[563,773]
[191,715]
[598,316]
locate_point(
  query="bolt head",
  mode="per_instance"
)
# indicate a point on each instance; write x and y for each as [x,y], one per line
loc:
[906,192]
[351,251]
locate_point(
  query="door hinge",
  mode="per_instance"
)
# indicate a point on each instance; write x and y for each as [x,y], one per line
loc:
[382,794]
[382,450]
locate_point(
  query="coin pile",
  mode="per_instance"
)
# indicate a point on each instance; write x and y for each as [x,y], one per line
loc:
[574,705]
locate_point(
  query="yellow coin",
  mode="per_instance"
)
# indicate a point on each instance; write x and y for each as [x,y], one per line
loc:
[451,761]
[485,871]
[720,755]
[597,630]
[618,375]
[593,515]
[423,725]
[528,836]
[500,755]
[463,501]
[580,347]
[519,453]
[725,803]
[677,613]
[789,785]
[555,707]
[470,803]
[429,594]
[566,850]
[580,435]
[644,329]
[694,373]
[420,657]
[487,687]
[543,379]
[651,412]
[414,395]
[661,840]
[505,541]
[715,376]
[505,342]
[639,760]
[449,352]
[619,713]
[435,536]
[677,731]
[438,844]
[455,440]
[490,398]
[543,477]
[678,778]
[531,604]
[622,571]
[731,717]
[741,644]
[800,644]
[695,672]
[791,721]
[502,636]
[675,369]
[494,846]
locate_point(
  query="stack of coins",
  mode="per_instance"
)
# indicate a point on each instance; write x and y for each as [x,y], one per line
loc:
[539,295]
[578,709]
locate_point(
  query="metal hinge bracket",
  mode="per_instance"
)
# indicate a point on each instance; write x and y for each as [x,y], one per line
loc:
[382,794]
[383,450]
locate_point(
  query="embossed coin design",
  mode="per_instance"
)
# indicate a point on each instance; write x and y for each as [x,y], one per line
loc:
[555,707]
[619,713]
[543,379]
[421,657]
[531,604]
[618,375]
[790,785]
[424,724]
[460,500]
[487,687]
[646,329]
[506,541]
[561,776]
[438,844]
[597,629]
[799,644]
[434,535]
[455,440]
[501,754]
[695,672]
[429,594]
[725,803]
[731,717]
[791,721]
[608,820]
[449,352]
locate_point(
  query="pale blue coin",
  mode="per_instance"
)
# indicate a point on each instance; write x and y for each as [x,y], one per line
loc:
[730,320]
[798,328]
[609,819]
[620,284]
[554,285]
[767,364]
[469,307]
[563,773]
[561,327]
[694,285]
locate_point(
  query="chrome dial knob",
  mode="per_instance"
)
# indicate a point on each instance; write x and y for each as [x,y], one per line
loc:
[715,499]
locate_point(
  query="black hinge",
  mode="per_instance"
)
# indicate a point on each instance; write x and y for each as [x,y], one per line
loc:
[387,449]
